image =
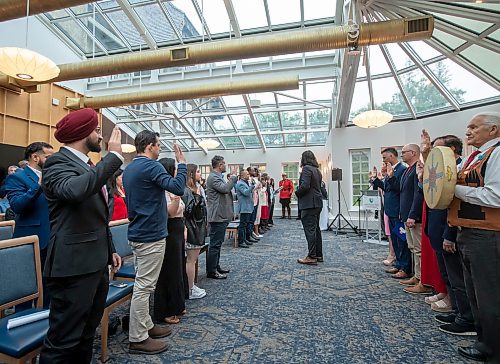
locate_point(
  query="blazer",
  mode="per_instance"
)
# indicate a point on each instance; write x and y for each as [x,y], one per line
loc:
[80,240]
[391,188]
[244,193]
[28,201]
[219,198]
[309,189]
[411,196]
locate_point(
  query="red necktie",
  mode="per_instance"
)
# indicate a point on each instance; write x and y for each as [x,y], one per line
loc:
[104,190]
[471,158]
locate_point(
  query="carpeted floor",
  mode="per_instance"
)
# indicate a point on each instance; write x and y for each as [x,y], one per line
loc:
[273,310]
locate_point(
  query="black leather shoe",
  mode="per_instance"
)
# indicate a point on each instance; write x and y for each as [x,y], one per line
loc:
[247,242]
[243,245]
[472,353]
[223,271]
[216,275]
[252,240]
[445,319]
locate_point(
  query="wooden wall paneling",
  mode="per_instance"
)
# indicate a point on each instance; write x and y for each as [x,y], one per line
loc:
[17,105]
[2,100]
[16,131]
[41,104]
[39,132]
[58,112]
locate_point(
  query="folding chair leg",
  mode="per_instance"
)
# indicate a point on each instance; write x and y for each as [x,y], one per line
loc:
[104,335]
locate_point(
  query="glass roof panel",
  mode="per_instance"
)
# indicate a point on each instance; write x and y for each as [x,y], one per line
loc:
[231,142]
[221,123]
[484,59]
[233,101]
[295,93]
[318,137]
[82,9]
[319,90]
[126,27]
[215,15]
[495,35]
[398,56]
[107,4]
[482,6]
[423,50]
[448,40]
[268,120]
[295,138]
[57,14]
[273,140]
[265,98]
[243,122]
[279,15]
[104,33]
[318,117]
[156,22]
[473,25]
[182,20]
[243,8]
[387,97]
[251,141]
[378,64]
[465,86]
[292,119]
[77,35]
[360,99]
[318,9]
[191,16]
[421,92]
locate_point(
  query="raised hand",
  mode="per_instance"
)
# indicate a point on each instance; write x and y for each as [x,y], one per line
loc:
[373,174]
[420,170]
[115,141]
[383,170]
[390,170]
[179,155]
[425,144]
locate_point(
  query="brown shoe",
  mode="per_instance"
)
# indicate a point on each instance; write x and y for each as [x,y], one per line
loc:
[400,275]
[157,332]
[418,289]
[410,282]
[308,260]
[147,347]
[392,270]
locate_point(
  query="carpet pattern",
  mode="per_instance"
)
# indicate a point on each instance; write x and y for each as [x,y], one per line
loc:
[273,310]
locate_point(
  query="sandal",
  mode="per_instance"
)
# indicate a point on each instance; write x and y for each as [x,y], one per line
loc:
[435,298]
[390,259]
[172,320]
[441,306]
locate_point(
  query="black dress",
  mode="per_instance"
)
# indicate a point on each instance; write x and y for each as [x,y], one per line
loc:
[169,298]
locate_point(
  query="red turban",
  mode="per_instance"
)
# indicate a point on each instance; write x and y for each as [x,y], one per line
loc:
[77,125]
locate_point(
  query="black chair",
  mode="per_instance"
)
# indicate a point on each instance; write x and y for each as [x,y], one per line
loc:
[21,282]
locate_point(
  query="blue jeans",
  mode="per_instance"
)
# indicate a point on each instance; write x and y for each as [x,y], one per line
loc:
[403,254]
[242,227]
[217,234]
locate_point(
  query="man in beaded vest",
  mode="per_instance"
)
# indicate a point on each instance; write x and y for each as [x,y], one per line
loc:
[476,211]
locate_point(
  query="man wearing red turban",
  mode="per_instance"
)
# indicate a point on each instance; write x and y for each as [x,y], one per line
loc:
[80,247]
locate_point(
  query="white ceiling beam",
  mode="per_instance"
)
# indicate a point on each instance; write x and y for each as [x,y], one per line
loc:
[138,24]
[255,123]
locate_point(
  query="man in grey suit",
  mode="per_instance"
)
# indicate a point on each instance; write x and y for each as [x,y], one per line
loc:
[80,246]
[220,213]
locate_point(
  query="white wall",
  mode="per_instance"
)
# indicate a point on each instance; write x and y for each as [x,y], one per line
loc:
[393,134]
[43,41]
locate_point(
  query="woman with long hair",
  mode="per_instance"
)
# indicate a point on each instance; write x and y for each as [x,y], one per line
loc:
[118,206]
[195,215]
[310,205]
[169,298]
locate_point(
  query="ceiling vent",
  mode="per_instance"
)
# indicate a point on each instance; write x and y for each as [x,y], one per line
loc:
[179,54]
[417,25]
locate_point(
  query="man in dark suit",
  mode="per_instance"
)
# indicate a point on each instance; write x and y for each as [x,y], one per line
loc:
[28,201]
[80,247]
[391,187]
[310,204]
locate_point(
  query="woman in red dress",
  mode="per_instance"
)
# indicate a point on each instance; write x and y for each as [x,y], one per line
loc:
[119,206]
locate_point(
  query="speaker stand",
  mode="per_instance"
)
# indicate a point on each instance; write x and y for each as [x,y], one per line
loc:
[339,218]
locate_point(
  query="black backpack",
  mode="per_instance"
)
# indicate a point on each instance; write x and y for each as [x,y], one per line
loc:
[195,214]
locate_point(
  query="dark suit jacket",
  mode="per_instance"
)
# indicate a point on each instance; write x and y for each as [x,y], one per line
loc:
[411,196]
[309,189]
[80,240]
[28,201]
[391,188]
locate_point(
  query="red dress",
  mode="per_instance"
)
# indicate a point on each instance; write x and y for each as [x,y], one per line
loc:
[120,209]
[430,274]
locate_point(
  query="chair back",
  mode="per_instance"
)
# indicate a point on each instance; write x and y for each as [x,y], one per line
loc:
[20,271]
[7,229]
[119,231]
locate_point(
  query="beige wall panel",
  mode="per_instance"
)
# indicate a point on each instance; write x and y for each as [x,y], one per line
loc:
[53,141]
[58,112]
[40,105]
[16,131]
[17,105]
[39,133]
[2,101]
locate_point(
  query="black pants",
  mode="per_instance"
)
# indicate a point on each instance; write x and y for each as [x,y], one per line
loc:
[76,308]
[310,223]
[242,227]
[455,272]
[285,205]
[217,234]
[480,253]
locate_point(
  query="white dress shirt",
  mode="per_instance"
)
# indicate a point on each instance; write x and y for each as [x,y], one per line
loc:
[489,194]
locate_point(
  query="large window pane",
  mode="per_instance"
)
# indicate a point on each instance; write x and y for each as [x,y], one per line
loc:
[318,9]
[284,11]
[243,9]
[360,167]
[215,15]
[421,92]
[483,58]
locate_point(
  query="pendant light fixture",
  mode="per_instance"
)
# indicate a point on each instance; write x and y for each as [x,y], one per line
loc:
[209,143]
[372,119]
[25,64]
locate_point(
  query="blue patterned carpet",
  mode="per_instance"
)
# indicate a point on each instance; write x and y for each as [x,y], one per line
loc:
[273,310]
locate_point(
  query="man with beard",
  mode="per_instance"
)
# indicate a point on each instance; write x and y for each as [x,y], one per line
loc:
[27,200]
[80,247]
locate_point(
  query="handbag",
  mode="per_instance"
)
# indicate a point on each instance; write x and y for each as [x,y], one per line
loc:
[195,214]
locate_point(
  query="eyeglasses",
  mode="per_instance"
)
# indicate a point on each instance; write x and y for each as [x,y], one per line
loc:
[406,151]
[98,130]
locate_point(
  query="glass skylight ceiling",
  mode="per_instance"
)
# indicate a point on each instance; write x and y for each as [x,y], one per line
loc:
[456,68]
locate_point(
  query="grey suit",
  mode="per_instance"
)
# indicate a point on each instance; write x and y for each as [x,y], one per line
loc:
[220,213]
[79,251]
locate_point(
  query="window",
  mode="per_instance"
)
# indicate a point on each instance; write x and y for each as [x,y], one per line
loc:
[360,167]
[234,168]
[260,166]
[205,170]
[292,173]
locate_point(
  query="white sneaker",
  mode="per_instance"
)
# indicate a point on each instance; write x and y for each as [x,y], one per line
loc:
[256,236]
[198,289]
[259,236]
[197,293]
